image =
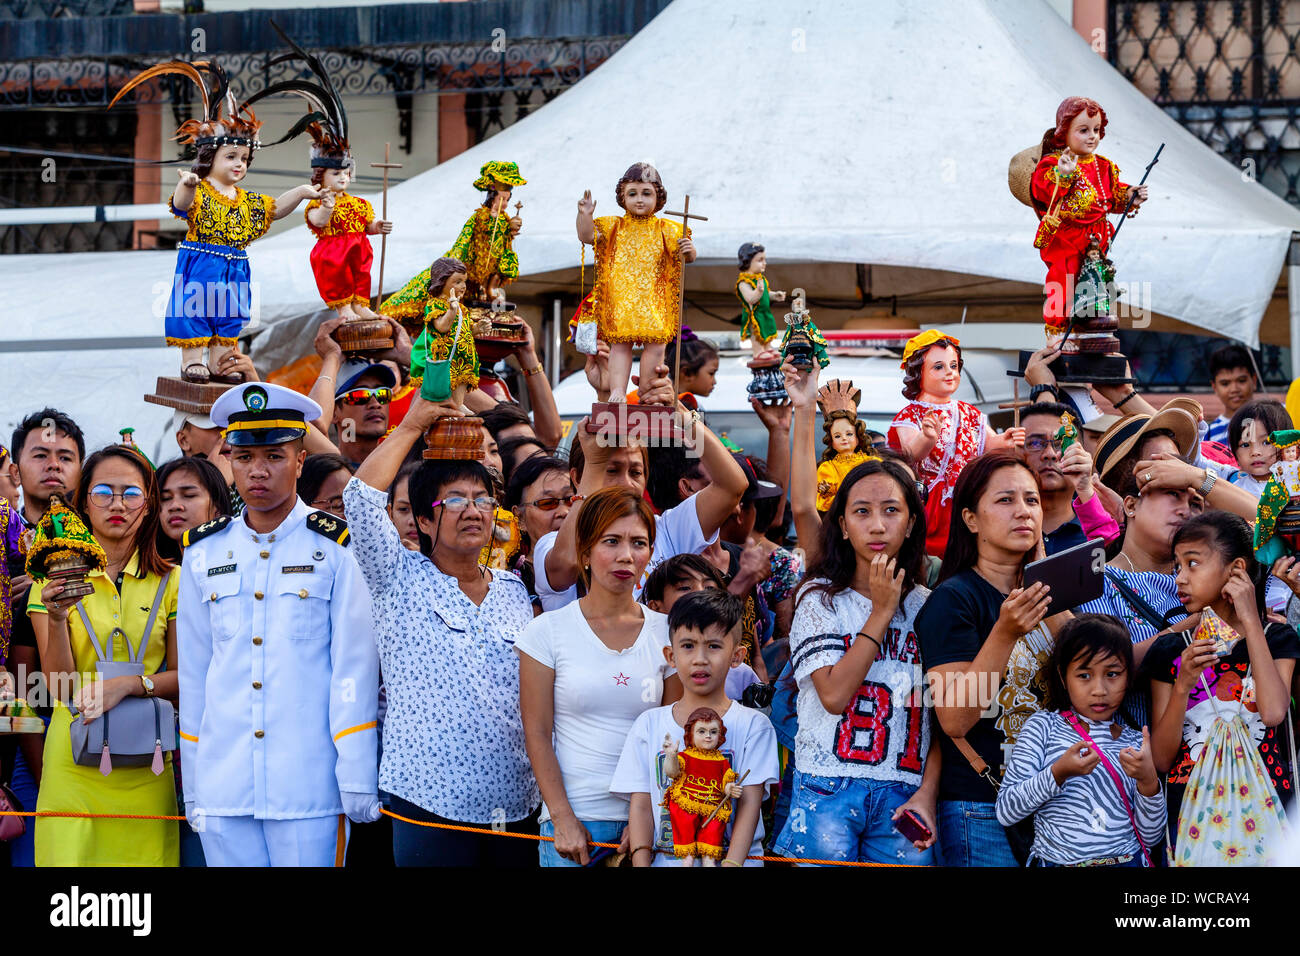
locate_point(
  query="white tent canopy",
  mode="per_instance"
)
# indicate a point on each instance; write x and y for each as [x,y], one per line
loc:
[837,131]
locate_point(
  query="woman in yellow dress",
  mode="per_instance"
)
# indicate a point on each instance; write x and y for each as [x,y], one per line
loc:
[119,498]
[638,273]
[847,446]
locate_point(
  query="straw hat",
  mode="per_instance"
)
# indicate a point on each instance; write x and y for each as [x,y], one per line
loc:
[1125,435]
[1021,171]
[1189,405]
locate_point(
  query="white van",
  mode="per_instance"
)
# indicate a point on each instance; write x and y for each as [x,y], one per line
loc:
[870,359]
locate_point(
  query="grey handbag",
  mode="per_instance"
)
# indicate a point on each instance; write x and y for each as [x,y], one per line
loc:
[135,732]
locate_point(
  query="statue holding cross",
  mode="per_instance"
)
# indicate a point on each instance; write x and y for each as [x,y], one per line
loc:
[638,293]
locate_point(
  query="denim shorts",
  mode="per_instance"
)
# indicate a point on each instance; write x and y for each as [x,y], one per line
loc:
[847,818]
[602,831]
[970,835]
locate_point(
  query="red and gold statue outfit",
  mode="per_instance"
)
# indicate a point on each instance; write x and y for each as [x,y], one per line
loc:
[342,256]
[698,788]
[1083,202]
[1073,206]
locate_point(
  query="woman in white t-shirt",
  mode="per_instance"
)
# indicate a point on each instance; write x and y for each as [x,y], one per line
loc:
[863,751]
[587,670]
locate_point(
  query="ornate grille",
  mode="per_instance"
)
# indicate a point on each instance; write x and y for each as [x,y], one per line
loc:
[1227,70]
[544,66]
[27,180]
[34,9]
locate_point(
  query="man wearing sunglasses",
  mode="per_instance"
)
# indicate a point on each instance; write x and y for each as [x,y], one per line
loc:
[1072,511]
[279,675]
[361,408]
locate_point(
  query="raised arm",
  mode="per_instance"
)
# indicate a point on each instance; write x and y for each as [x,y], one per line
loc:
[776,419]
[287,202]
[382,465]
[546,416]
[331,361]
[727,483]
[561,565]
[802,389]
[963,690]
[586,220]
[183,196]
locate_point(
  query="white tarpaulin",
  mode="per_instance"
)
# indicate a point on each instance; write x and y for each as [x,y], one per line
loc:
[831,130]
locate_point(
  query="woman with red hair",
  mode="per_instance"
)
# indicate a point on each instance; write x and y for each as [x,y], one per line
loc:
[1074,190]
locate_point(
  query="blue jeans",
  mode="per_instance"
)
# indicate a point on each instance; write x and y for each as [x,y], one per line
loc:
[847,818]
[23,850]
[602,831]
[970,835]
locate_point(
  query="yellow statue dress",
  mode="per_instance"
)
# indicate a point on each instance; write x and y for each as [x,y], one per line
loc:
[834,471]
[638,279]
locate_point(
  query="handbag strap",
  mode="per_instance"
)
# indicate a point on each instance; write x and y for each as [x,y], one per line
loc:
[138,656]
[977,763]
[1072,719]
[1136,601]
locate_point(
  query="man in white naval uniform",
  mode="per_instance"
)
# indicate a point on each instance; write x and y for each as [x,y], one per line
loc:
[279,674]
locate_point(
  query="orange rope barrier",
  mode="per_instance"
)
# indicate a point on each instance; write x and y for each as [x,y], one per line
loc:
[420,823]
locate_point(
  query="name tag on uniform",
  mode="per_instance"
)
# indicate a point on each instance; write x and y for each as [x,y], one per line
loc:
[224,569]
[298,569]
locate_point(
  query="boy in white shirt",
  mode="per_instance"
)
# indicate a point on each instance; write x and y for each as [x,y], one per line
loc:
[703,628]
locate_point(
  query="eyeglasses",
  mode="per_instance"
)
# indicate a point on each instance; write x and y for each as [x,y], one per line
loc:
[132,497]
[332,505]
[1038,444]
[550,503]
[362,396]
[457,504]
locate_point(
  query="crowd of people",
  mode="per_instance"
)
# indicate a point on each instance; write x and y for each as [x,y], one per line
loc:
[380,659]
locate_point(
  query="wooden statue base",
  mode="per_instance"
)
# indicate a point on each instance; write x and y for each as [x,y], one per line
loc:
[194,398]
[455,439]
[364,335]
[621,424]
[1081,368]
[496,333]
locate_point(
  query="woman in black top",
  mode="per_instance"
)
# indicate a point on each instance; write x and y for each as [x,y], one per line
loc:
[982,646]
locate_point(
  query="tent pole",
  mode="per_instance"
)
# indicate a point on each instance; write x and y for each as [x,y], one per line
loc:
[553,343]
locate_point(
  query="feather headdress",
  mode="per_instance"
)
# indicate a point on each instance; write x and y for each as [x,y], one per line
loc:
[237,128]
[327,122]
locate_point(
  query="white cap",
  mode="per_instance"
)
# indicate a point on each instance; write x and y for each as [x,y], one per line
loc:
[259,413]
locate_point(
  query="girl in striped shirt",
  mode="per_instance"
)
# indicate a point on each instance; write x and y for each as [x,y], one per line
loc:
[1090,780]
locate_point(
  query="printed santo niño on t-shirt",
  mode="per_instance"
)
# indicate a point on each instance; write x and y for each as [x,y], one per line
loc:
[750,746]
[884,732]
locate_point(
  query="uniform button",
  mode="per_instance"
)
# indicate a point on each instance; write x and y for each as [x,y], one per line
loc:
[266,554]
[258,595]
[213,597]
[259,734]
[302,594]
[257,685]
[257,640]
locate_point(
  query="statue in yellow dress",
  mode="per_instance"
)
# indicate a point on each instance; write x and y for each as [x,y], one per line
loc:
[845,437]
[639,261]
[485,242]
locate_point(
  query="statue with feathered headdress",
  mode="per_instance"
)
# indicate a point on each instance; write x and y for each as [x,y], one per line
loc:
[342,257]
[211,297]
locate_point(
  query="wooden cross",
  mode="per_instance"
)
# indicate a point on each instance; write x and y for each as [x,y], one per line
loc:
[383,239]
[1015,404]
[681,292]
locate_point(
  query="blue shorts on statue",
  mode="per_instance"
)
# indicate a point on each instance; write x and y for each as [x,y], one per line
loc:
[211,296]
